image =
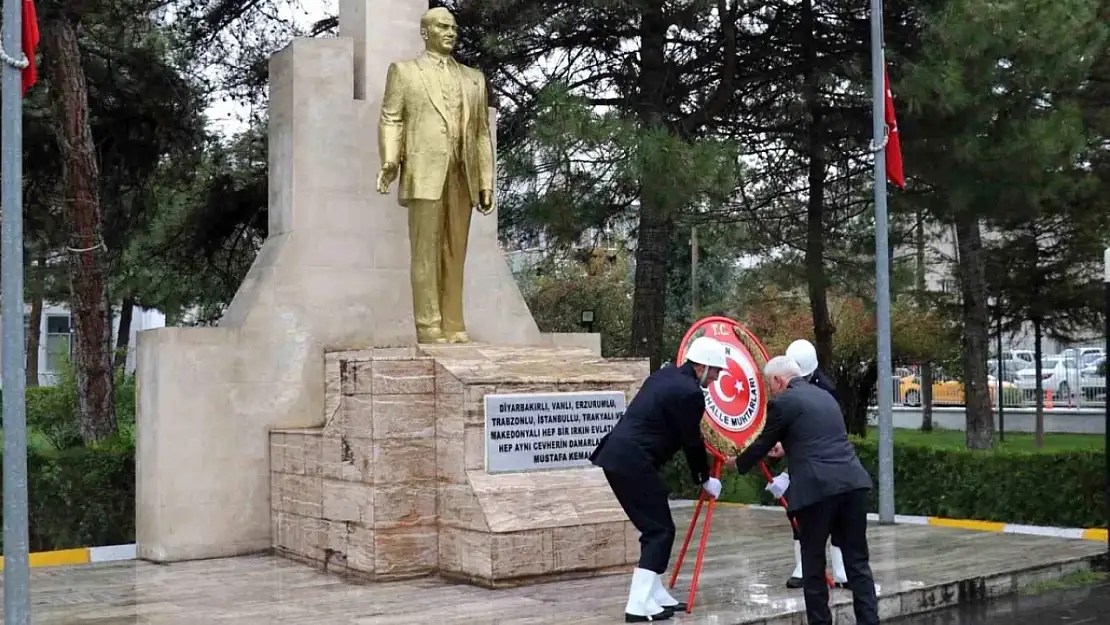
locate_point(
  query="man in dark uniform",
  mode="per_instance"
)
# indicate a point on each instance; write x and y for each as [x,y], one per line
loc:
[665,416]
[829,488]
[805,354]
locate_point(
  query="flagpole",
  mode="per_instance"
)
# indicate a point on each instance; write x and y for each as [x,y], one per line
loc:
[17,595]
[882,270]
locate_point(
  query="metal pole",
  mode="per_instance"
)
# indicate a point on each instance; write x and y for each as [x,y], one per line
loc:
[1106,390]
[1001,403]
[17,595]
[694,307]
[882,271]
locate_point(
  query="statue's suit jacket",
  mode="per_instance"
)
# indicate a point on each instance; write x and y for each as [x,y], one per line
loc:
[413,130]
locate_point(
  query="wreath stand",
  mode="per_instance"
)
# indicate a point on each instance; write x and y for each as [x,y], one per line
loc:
[718,326]
[717,463]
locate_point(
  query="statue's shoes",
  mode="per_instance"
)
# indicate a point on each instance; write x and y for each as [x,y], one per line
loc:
[457,337]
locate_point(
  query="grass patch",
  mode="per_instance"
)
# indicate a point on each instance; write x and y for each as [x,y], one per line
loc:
[1016,441]
[1082,579]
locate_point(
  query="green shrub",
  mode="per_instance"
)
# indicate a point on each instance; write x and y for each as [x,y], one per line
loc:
[78,496]
[52,412]
[734,488]
[82,496]
[1060,488]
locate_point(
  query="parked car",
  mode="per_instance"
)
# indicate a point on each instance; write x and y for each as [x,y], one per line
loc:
[1093,378]
[1059,375]
[1086,355]
[1024,355]
[947,391]
[1010,368]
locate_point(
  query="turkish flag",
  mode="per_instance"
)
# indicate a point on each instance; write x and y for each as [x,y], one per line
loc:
[30,44]
[893,143]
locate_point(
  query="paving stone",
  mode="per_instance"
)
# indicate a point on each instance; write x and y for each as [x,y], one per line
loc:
[749,557]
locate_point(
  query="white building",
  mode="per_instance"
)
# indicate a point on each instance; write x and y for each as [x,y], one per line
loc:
[56,336]
[941,255]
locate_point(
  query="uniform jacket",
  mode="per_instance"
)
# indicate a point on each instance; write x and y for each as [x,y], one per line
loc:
[821,461]
[665,416]
[413,129]
[823,381]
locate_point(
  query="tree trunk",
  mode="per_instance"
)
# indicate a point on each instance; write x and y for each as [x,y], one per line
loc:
[656,226]
[816,277]
[123,335]
[927,397]
[1038,388]
[922,302]
[854,388]
[37,288]
[80,177]
[973,288]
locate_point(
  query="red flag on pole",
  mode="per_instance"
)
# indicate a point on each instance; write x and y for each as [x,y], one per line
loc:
[30,44]
[893,143]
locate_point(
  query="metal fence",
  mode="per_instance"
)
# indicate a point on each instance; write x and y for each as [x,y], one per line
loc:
[1071,378]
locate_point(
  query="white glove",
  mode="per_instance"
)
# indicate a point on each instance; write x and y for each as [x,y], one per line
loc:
[713,487]
[777,487]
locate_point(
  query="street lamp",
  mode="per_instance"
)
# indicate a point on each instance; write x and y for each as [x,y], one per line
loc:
[588,320]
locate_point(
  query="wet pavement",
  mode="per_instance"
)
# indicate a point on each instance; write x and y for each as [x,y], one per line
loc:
[1079,606]
[750,554]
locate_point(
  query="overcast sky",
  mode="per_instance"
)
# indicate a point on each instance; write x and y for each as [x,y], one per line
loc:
[230,117]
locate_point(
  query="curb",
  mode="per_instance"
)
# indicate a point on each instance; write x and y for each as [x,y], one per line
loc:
[80,555]
[1099,534]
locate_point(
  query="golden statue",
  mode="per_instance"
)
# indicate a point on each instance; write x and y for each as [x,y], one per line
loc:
[434,131]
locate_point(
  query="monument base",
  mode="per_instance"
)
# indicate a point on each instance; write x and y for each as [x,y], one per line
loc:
[394,484]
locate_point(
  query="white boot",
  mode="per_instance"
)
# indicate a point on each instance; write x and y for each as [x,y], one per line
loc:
[795,580]
[642,607]
[840,576]
[664,598]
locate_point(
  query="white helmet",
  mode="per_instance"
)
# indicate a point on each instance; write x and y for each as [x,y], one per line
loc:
[708,352]
[805,354]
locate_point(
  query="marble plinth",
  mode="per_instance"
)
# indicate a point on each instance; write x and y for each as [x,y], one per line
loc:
[393,485]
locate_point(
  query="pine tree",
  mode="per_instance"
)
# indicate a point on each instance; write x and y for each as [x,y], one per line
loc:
[993,98]
[1046,270]
[619,126]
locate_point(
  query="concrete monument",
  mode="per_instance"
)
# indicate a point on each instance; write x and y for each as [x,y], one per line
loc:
[311,421]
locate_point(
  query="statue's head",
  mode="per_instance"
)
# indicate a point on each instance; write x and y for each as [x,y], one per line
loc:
[439,31]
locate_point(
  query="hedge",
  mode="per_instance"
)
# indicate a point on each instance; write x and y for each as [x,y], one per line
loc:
[81,497]
[1061,489]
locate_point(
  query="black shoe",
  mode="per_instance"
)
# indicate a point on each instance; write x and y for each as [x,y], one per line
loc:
[662,616]
[678,607]
[794,583]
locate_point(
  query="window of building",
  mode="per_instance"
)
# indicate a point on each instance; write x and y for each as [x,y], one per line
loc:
[58,342]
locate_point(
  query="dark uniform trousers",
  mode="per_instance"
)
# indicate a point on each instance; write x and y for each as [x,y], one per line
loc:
[844,517]
[644,499]
[794,527]
[664,417]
